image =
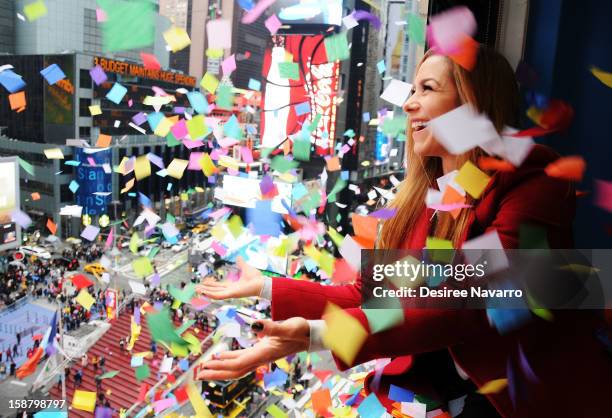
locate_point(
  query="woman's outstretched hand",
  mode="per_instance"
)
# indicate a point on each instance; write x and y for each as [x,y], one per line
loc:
[278,340]
[250,283]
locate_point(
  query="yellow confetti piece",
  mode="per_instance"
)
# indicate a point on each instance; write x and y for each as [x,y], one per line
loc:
[85,299]
[95,110]
[35,10]
[210,83]
[344,334]
[207,164]
[235,226]
[54,154]
[128,186]
[472,179]
[84,400]
[177,168]
[177,38]
[494,386]
[602,76]
[163,127]
[142,167]
[199,406]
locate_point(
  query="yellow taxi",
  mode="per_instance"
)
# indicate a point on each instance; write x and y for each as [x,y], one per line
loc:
[199,228]
[96,269]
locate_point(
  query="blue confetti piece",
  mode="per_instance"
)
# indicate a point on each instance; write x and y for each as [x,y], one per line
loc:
[53,73]
[116,94]
[73,186]
[254,84]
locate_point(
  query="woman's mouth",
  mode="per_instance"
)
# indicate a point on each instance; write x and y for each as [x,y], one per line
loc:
[418,125]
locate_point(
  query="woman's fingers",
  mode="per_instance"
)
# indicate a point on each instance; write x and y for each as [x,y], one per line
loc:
[221,374]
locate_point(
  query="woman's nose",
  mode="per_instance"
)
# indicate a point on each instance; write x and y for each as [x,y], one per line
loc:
[411,104]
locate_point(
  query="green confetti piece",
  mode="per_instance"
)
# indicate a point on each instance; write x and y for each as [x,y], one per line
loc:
[301,149]
[171,140]
[337,47]
[29,168]
[128,25]
[282,165]
[161,327]
[340,184]
[110,375]
[185,295]
[225,97]
[142,372]
[153,253]
[416,29]
[394,127]
[289,70]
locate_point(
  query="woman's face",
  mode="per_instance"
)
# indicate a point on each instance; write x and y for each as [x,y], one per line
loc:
[434,93]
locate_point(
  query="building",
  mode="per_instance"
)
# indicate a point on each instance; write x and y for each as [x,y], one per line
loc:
[80,32]
[60,112]
[7,26]
[51,181]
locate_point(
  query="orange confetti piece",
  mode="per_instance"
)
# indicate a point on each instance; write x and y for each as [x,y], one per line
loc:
[17,101]
[567,168]
[490,163]
[466,53]
[453,196]
[35,196]
[103,141]
[51,226]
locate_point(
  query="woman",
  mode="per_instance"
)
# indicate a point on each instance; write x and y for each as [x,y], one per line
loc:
[555,350]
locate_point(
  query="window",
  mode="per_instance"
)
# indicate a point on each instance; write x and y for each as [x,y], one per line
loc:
[85,79]
[84,107]
[84,131]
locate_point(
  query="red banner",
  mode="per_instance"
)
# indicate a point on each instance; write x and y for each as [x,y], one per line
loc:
[283,98]
[111,303]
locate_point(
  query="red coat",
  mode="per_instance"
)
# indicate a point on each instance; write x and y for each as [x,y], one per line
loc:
[573,367]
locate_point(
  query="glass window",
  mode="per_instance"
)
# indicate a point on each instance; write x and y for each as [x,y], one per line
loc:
[84,107]
[84,79]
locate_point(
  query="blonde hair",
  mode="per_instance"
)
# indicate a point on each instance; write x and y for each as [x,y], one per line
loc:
[491,89]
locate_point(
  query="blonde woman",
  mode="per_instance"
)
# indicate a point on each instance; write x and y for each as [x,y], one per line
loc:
[442,353]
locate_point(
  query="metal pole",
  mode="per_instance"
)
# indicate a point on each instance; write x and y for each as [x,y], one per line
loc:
[63,371]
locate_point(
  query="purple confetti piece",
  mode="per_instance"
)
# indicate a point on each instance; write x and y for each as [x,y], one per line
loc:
[384,213]
[363,15]
[525,367]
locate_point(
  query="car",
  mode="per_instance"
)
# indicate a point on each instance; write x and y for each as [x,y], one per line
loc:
[35,252]
[95,268]
[200,228]
[179,247]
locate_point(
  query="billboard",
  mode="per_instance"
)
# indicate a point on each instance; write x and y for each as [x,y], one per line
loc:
[307,17]
[94,178]
[59,100]
[10,233]
[287,104]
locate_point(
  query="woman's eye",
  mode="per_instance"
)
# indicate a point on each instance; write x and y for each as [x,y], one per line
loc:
[426,87]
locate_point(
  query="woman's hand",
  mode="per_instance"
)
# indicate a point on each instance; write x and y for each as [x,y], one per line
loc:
[250,283]
[279,339]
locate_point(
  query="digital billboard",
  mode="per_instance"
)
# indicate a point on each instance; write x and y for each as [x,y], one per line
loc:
[288,103]
[94,178]
[10,233]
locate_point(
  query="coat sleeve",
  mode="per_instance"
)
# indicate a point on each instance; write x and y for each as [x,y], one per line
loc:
[308,299]
[533,201]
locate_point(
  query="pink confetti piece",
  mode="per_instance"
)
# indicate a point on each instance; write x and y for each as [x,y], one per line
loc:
[252,15]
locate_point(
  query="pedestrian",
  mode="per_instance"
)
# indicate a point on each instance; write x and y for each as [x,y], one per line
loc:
[153,347]
[78,378]
[101,361]
[98,380]
[13,367]
[122,345]
[18,338]
[84,361]
[15,350]
[94,362]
